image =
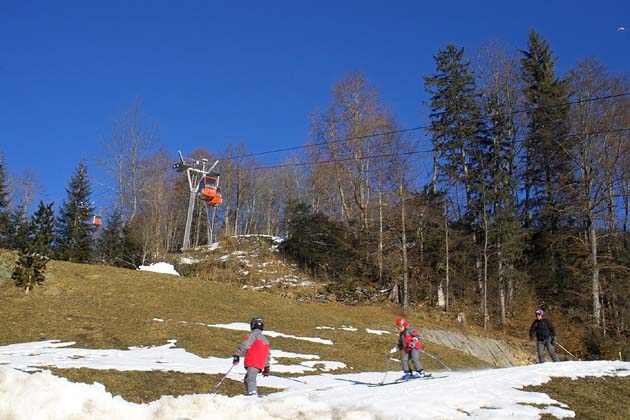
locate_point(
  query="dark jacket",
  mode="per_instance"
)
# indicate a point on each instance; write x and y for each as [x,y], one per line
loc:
[542,329]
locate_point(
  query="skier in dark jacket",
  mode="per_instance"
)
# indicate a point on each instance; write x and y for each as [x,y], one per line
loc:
[255,348]
[545,335]
[409,341]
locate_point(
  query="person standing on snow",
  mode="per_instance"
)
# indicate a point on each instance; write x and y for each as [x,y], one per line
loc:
[409,341]
[255,348]
[545,335]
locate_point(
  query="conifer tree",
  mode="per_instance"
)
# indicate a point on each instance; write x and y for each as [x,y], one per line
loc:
[455,122]
[316,242]
[4,204]
[18,229]
[110,242]
[42,229]
[459,141]
[547,172]
[29,270]
[116,245]
[547,147]
[75,229]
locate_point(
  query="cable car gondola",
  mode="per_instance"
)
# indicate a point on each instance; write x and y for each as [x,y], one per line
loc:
[209,190]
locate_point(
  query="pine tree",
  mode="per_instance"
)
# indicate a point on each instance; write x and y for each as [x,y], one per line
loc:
[75,229]
[116,245]
[455,123]
[29,270]
[132,254]
[18,229]
[459,143]
[110,242]
[317,243]
[547,173]
[42,229]
[547,147]
[4,204]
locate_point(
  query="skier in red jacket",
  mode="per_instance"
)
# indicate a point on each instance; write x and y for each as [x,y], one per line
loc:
[409,341]
[255,348]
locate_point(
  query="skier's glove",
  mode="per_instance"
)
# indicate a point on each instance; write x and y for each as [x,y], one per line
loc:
[266,371]
[236,360]
[554,340]
[393,350]
[412,343]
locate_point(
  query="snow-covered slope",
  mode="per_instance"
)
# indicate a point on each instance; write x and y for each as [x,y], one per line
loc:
[482,394]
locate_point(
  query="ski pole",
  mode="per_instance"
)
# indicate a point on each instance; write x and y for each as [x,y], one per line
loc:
[436,359]
[214,390]
[562,347]
[387,359]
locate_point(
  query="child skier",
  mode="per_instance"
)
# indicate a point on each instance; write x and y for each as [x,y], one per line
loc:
[255,348]
[409,341]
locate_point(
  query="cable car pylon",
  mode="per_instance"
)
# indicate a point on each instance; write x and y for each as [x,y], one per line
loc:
[203,183]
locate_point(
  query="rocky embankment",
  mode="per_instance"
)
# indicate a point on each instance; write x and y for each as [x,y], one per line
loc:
[496,352]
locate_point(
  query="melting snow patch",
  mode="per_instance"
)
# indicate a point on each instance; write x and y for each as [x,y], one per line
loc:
[377,332]
[241,326]
[161,267]
[326,365]
[289,355]
[347,328]
[478,394]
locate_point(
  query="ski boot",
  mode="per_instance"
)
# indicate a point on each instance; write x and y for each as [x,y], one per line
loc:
[408,375]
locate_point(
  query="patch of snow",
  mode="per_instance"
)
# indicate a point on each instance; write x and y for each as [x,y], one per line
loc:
[37,355]
[327,365]
[161,267]
[377,332]
[290,355]
[241,326]
[188,261]
[476,395]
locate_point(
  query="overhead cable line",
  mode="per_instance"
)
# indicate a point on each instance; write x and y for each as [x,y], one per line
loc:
[409,153]
[427,126]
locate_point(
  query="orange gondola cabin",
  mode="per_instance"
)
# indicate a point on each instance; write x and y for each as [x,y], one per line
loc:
[209,190]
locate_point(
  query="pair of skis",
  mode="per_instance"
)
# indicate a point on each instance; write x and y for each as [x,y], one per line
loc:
[403,380]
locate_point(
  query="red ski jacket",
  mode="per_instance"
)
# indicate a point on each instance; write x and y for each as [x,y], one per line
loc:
[406,337]
[255,348]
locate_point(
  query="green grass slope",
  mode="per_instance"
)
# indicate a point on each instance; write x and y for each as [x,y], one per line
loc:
[105,307]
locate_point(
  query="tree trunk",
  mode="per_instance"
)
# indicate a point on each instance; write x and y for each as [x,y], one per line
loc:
[380,235]
[446,263]
[404,248]
[595,273]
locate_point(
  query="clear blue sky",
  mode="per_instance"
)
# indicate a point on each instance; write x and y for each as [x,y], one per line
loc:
[209,72]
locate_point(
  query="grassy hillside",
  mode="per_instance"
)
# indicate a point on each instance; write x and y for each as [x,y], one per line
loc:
[107,307]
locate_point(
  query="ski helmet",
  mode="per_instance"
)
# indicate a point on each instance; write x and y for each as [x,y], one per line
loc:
[402,321]
[257,323]
[540,312]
